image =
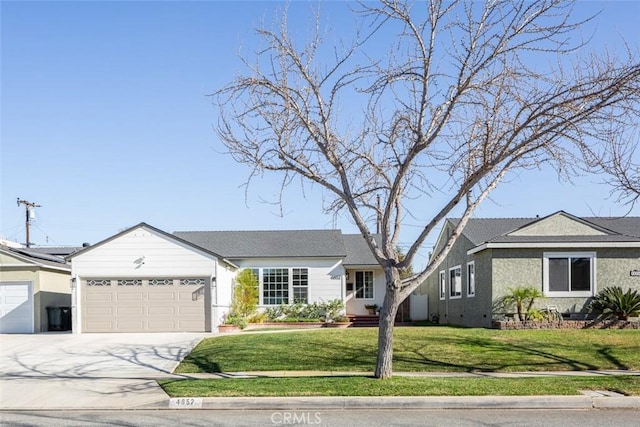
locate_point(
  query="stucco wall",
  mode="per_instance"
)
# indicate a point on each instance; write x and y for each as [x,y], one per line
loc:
[467,310]
[523,267]
[54,289]
[558,225]
[50,287]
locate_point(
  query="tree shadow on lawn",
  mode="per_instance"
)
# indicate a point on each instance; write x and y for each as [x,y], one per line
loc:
[528,358]
[320,355]
[484,355]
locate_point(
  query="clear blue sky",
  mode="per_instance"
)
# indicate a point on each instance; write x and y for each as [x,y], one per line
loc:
[105,122]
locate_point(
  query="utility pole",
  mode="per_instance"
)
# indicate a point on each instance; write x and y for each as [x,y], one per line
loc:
[30,213]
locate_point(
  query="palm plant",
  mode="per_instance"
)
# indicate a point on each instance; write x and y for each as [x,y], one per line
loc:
[613,301]
[521,297]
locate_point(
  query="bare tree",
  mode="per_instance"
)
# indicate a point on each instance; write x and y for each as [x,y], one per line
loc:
[463,96]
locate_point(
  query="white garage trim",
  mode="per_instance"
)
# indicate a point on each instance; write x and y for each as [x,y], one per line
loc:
[16,307]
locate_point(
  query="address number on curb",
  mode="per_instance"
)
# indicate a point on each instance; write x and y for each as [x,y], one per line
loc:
[185,402]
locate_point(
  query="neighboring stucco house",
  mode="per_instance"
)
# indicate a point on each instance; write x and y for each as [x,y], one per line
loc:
[566,257]
[144,279]
[31,281]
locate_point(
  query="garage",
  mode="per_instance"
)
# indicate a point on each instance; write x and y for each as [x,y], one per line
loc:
[16,307]
[144,305]
[146,280]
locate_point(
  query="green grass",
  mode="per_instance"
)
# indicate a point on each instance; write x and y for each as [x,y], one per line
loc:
[420,349]
[398,386]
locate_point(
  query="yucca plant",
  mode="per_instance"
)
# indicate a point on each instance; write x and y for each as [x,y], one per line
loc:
[614,301]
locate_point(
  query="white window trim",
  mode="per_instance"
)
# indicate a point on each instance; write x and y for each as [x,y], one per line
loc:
[568,294]
[442,285]
[471,294]
[457,267]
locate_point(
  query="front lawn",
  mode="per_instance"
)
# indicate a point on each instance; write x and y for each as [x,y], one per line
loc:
[419,349]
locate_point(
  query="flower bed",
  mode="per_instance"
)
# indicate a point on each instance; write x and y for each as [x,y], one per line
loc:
[567,324]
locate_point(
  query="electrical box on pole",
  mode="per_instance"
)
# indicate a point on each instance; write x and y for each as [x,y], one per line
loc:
[30,214]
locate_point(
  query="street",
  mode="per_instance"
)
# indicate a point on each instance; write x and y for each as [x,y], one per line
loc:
[354,418]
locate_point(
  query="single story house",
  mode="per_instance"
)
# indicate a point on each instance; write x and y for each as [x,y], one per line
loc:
[31,281]
[145,279]
[568,258]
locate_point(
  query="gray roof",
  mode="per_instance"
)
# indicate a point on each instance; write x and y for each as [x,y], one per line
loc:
[269,244]
[482,230]
[358,252]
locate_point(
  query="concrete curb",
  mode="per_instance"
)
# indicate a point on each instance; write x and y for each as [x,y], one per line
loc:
[401,402]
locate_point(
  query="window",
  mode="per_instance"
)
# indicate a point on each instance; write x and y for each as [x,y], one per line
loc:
[455,282]
[443,285]
[300,278]
[192,282]
[161,282]
[570,274]
[471,279]
[364,284]
[130,282]
[275,286]
[99,282]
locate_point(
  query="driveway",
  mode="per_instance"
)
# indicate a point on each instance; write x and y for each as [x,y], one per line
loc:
[99,371]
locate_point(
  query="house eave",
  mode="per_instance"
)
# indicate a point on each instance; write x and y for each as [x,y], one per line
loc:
[539,245]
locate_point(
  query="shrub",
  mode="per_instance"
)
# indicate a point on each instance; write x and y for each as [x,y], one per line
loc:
[238,321]
[613,301]
[300,312]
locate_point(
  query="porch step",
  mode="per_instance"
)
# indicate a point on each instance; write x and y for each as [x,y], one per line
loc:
[369,321]
[364,321]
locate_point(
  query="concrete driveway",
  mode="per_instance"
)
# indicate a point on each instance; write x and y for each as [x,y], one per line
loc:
[99,371]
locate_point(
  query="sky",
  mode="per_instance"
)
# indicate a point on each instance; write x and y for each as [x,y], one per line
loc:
[105,122]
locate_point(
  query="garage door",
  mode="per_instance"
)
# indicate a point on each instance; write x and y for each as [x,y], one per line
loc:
[16,308]
[144,305]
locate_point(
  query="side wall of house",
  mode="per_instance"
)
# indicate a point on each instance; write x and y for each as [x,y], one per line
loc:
[466,310]
[53,289]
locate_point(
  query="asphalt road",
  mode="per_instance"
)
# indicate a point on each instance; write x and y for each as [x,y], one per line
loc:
[351,418]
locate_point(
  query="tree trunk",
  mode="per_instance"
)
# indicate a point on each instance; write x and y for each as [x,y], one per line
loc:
[384,366]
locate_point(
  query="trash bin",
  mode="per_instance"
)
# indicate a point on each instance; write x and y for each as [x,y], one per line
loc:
[65,318]
[54,314]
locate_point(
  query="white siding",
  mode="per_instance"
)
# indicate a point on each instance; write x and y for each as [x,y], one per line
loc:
[357,306]
[142,253]
[221,298]
[325,275]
